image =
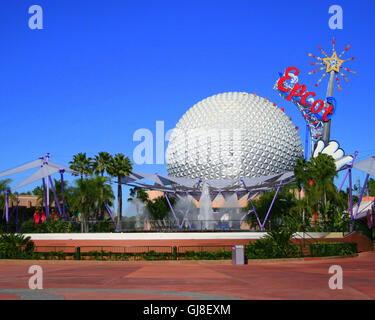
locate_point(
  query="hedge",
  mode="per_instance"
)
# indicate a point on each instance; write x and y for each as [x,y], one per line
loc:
[324,249]
[266,248]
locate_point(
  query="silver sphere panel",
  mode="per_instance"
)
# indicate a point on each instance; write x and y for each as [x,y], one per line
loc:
[232,135]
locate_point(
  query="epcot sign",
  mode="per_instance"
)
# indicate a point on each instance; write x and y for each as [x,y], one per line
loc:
[298,93]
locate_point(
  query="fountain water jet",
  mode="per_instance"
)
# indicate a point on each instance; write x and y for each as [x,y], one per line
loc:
[205,208]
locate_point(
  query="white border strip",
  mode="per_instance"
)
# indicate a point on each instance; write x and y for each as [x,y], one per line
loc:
[162,235]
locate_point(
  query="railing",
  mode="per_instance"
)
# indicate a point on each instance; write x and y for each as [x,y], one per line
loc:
[199,225]
[127,249]
[65,249]
[132,252]
[150,225]
[183,249]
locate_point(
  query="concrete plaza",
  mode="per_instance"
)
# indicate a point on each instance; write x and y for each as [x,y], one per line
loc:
[297,279]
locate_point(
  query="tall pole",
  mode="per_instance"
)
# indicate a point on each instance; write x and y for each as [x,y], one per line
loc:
[62,191]
[307,141]
[45,194]
[327,124]
[47,204]
[57,204]
[17,214]
[350,199]
[7,205]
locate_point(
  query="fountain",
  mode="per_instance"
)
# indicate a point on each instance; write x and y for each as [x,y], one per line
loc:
[135,209]
[205,208]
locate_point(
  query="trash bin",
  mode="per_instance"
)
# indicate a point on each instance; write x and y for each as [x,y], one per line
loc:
[238,255]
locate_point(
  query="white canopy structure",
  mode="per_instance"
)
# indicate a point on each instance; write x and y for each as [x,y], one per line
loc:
[183,187]
[366,205]
[186,186]
[47,168]
[367,166]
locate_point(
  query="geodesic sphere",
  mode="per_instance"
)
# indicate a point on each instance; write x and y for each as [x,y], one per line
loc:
[232,135]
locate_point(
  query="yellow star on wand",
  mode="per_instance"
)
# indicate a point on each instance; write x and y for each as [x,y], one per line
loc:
[333,63]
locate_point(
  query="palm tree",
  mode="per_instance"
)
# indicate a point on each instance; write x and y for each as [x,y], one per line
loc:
[81,164]
[371,187]
[138,193]
[119,167]
[101,163]
[300,175]
[4,185]
[159,208]
[323,171]
[95,191]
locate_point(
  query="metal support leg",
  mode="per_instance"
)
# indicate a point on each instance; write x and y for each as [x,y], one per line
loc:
[350,200]
[45,194]
[111,215]
[174,214]
[62,192]
[273,200]
[47,203]
[256,214]
[343,181]
[251,202]
[349,167]
[360,197]
[54,194]
[17,214]
[7,206]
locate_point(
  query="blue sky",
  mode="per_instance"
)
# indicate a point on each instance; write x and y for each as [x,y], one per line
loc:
[100,70]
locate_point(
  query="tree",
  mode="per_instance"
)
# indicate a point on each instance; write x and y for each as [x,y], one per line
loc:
[284,201]
[38,191]
[323,171]
[101,163]
[88,196]
[81,164]
[316,178]
[159,207]
[138,193]
[371,187]
[4,185]
[119,167]
[300,175]
[138,196]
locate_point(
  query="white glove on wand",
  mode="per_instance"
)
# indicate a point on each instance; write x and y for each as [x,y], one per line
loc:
[333,150]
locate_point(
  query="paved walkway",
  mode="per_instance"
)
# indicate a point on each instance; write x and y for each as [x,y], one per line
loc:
[175,280]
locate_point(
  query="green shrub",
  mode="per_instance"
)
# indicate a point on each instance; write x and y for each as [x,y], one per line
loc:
[49,226]
[276,244]
[324,249]
[104,226]
[28,227]
[60,255]
[220,254]
[15,246]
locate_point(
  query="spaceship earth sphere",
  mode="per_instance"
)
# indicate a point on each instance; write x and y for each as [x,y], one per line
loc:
[232,135]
